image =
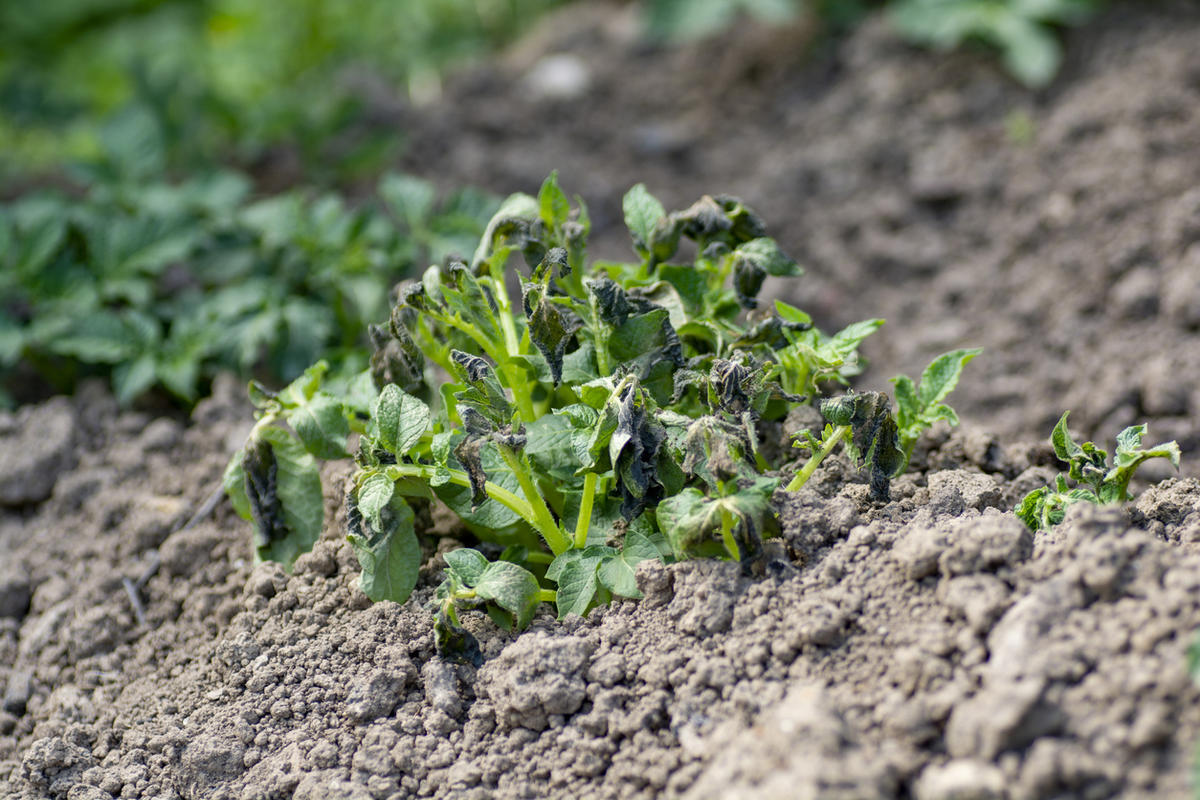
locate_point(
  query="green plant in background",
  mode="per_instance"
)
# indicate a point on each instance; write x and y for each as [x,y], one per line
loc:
[607,416]
[230,78]
[1023,30]
[159,284]
[1088,468]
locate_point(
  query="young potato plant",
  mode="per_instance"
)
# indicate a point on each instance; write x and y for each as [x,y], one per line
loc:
[1088,469]
[606,416]
[874,438]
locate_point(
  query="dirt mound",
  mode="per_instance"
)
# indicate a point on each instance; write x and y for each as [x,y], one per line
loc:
[929,648]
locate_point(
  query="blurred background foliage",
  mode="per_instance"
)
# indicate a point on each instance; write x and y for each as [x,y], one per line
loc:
[226,79]
[169,168]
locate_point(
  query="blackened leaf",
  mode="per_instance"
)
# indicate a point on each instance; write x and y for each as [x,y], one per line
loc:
[284,488]
[873,442]
[396,358]
[511,587]
[389,554]
[322,426]
[400,418]
[468,454]
[467,564]
[455,643]
[484,393]
[703,220]
[261,488]
[642,215]
[748,280]
[549,329]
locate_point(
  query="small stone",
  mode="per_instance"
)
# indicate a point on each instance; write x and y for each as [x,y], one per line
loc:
[375,696]
[39,449]
[15,594]
[18,691]
[961,779]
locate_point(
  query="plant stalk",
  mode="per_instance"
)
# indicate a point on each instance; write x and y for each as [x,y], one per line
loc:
[585,510]
[542,519]
[815,461]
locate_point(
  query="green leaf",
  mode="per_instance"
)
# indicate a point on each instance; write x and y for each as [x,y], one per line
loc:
[305,387]
[638,334]
[287,498]
[1065,447]
[511,587]
[411,199]
[792,314]
[765,254]
[617,575]
[401,419]
[322,426]
[941,376]
[374,494]
[519,207]
[553,205]
[469,565]
[234,482]
[577,586]
[642,215]
[389,554]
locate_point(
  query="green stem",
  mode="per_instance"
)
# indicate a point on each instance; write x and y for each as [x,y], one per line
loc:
[543,520]
[547,596]
[585,510]
[731,545]
[459,478]
[815,461]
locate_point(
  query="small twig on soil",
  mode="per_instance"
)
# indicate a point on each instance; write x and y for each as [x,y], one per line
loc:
[133,588]
[207,507]
[135,600]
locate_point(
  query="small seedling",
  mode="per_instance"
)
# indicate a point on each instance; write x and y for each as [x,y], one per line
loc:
[1088,469]
[875,439]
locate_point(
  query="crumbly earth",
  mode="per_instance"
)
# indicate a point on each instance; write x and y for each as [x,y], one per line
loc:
[929,648]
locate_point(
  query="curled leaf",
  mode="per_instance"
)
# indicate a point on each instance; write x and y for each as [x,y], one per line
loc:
[873,442]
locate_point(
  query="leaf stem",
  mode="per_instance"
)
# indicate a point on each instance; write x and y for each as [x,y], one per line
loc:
[458,477]
[541,517]
[815,461]
[547,596]
[727,537]
[585,510]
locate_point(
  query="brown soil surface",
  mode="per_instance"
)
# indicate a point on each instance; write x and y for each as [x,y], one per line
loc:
[929,648]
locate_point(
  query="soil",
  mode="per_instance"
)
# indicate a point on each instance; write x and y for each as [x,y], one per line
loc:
[929,648]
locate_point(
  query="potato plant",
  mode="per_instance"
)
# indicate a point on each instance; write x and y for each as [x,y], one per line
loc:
[607,415]
[1088,469]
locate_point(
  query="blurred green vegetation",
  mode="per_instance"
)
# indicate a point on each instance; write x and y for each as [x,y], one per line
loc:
[226,80]
[1023,32]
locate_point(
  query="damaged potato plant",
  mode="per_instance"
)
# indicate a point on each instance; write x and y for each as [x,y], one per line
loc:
[1087,467]
[605,416]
